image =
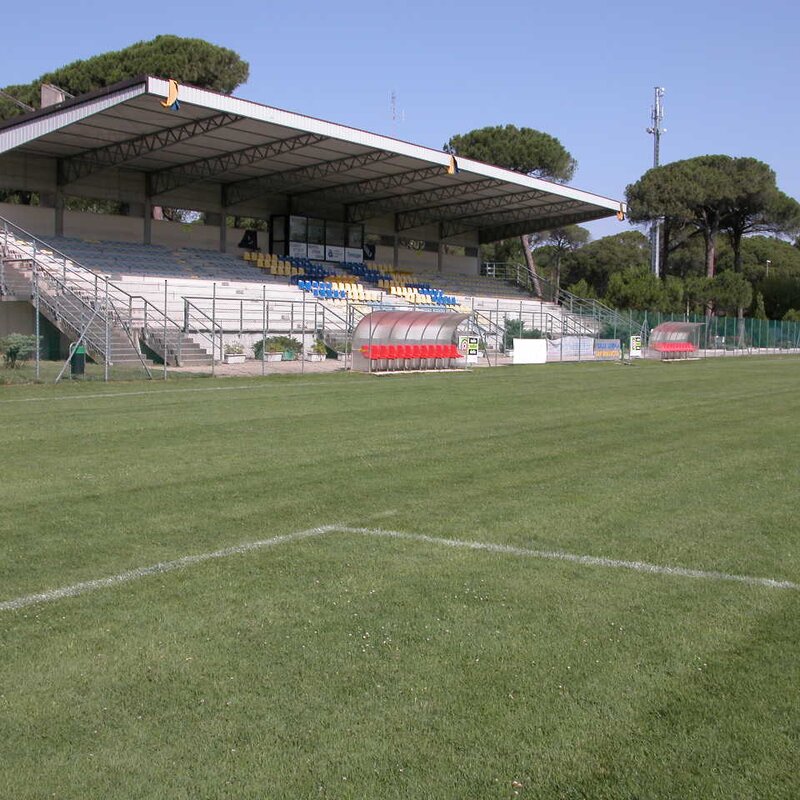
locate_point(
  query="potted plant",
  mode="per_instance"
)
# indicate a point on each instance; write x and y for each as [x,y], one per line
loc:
[318,351]
[277,348]
[234,353]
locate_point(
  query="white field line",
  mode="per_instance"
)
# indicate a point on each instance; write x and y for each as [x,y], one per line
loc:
[151,392]
[588,561]
[156,569]
[502,549]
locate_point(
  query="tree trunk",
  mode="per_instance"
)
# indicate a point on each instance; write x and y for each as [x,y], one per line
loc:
[736,244]
[711,253]
[710,234]
[558,274]
[531,264]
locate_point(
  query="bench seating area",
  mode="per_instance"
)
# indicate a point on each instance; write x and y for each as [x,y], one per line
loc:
[669,350]
[411,356]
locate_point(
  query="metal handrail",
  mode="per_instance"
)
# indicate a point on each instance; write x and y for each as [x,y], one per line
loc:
[569,302]
[187,328]
[91,285]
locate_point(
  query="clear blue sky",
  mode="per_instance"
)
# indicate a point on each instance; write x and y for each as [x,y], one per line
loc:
[581,71]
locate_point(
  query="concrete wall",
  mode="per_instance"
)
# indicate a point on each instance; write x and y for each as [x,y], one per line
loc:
[34,219]
[16,316]
[40,221]
[101,227]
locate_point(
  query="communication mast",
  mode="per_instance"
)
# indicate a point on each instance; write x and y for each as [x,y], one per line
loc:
[656,117]
[397,116]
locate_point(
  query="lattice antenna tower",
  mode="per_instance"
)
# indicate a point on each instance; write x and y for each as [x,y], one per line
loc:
[655,130]
[397,116]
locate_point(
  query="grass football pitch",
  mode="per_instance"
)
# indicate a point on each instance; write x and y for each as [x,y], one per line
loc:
[571,581]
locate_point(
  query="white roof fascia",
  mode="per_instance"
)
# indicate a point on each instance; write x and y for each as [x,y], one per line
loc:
[288,119]
[28,131]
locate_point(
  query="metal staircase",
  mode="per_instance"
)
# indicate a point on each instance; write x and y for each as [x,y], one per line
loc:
[112,324]
[94,323]
[584,314]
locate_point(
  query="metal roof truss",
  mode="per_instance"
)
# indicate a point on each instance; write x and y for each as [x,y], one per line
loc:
[91,161]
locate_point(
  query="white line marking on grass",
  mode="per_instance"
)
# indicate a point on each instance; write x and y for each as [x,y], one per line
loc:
[589,561]
[155,569]
[153,392]
[504,549]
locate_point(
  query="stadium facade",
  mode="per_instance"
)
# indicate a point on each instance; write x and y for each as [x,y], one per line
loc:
[382,223]
[226,156]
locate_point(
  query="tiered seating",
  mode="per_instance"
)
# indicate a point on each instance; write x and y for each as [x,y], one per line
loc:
[310,277]
[285,266]
[342,289]
[367,274]
[421,295]
[125,258]
[412,356]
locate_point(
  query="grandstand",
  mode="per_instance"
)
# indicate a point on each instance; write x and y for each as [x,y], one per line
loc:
[356,222]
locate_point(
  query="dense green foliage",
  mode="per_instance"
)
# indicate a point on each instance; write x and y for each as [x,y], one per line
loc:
[616,270]
[16,347]
[708,195]
[352,666]
[277,344]
[191,61]
[515,329]
[598,260]
[524,150]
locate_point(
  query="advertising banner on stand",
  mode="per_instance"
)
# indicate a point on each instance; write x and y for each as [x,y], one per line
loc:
[469,346]
[607,350]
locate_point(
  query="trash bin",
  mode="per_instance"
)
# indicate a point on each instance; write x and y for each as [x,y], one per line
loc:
[78,361]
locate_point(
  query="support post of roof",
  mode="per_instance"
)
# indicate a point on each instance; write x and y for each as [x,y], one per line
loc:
[59,212]
[223,219]
[440,251]
[58,201]
[147,229]
[396,252]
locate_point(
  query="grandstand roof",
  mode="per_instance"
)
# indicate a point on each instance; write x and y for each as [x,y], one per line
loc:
[252,150]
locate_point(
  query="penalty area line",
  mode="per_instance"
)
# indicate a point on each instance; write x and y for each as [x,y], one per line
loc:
[76,589]
[584,560]
[84,587]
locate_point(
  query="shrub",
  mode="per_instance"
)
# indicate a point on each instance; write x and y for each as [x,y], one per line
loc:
[515,329]
[277,344]
[16,347]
